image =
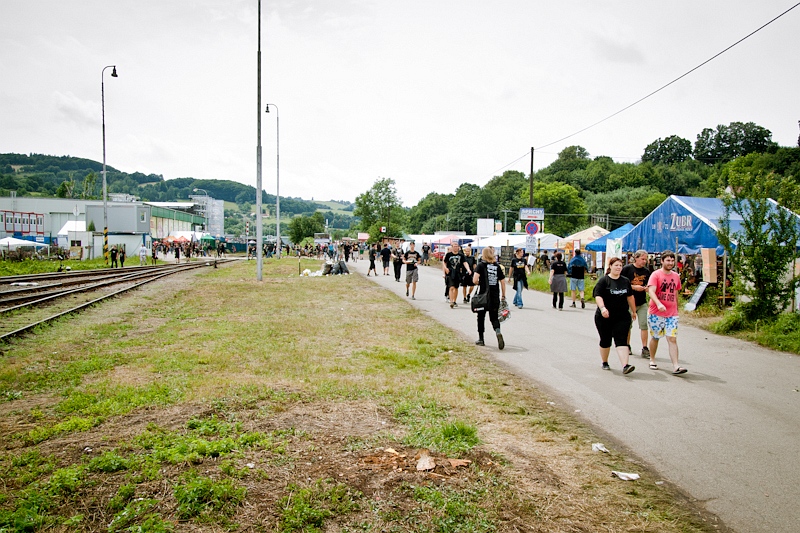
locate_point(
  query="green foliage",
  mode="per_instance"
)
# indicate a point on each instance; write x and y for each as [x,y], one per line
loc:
[559,199]
[204,497]
[670,150]
[763,250]
[726,143]
[380,207]
[120,500]
[302,227]
[307,508]
[449,510]
[430,207]
[138,516]
[628,204]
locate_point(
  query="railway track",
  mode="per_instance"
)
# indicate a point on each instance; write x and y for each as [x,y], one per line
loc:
[29,301]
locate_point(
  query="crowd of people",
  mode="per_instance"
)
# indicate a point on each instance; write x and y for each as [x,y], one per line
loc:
[629,294]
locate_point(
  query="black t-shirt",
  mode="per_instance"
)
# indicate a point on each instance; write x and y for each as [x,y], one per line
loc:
[455,262]
[412,258]
[518,269]
[637,276]
[385,254]
[490,277]
[558,267]
[614,293]
[397,255]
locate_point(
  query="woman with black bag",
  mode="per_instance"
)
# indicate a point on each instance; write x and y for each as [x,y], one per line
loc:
[489,279]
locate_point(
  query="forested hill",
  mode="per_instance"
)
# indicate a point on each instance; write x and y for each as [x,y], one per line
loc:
[75,177]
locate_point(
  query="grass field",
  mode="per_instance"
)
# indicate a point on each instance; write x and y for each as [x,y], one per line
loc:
[213,402]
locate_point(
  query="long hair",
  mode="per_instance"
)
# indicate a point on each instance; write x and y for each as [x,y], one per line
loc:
[488,254]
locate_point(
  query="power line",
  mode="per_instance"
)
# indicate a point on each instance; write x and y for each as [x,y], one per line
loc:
[657,90]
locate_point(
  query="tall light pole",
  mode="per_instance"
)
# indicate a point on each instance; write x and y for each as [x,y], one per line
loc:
[205,206]
[259,192]
[105,187]
[278,175]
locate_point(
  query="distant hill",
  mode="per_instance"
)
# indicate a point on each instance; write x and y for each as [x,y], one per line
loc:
[75,177]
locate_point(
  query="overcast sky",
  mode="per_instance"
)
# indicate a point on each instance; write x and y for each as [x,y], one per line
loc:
[429,93]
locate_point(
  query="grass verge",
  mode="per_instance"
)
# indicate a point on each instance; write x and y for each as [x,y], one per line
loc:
[214,402]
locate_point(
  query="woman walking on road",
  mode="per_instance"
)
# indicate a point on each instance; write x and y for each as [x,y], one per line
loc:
[558,281]
[489,278]
[466,281]
[519,269]
[616,309]
[372,255]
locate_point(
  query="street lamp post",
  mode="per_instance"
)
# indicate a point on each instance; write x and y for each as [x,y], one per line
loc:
[105,186]
[278,175]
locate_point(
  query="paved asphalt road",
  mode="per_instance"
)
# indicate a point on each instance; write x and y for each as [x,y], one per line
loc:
[727,432]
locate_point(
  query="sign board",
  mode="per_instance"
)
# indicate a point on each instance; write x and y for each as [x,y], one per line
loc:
[506,255]
[531,228]
[485,227]
[517,227]
[531,244]
[709,256]
[531,213]
[691,305]
[613,249]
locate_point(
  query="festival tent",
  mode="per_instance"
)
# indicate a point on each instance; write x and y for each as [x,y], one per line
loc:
[683,224]
[502,239]
[585,236]
[599,245]
[547,241]
[10,243]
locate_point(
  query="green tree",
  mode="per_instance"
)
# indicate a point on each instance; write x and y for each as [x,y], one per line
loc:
[431,206]
[380,207]
[301,227]
[564,209]
[729,142]
[667,151]
[626,204]
[89,184]
[470,203]
[763,251]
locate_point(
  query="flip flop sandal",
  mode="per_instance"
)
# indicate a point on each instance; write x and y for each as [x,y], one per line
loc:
[679,370]
[653,366]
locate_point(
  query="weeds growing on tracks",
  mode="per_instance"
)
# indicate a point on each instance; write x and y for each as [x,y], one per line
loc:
[214,402]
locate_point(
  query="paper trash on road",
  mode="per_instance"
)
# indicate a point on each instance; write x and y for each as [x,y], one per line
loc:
[625,476]
[598,447]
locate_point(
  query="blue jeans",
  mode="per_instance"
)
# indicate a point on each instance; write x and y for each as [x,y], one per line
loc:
[518,294]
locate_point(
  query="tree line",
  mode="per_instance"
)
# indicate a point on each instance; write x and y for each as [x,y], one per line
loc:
[577,190]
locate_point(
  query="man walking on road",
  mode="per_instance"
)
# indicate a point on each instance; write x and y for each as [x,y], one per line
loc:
[576,269]
[386,254]
[453,265]
[662,317]
[411,258]
[638,274]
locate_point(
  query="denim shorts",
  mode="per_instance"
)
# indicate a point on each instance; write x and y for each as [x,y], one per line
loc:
[576,284]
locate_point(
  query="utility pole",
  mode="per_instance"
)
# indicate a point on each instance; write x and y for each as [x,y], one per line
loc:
[531,184]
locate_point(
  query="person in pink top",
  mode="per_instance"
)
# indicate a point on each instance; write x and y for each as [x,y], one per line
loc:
[662,315]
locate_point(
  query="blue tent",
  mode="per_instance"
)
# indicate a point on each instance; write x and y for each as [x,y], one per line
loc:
[683,224]
[599,245]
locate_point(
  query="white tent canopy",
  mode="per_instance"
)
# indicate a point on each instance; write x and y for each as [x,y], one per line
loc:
[547,241]
[586,236]
[502,239]
[11,243]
